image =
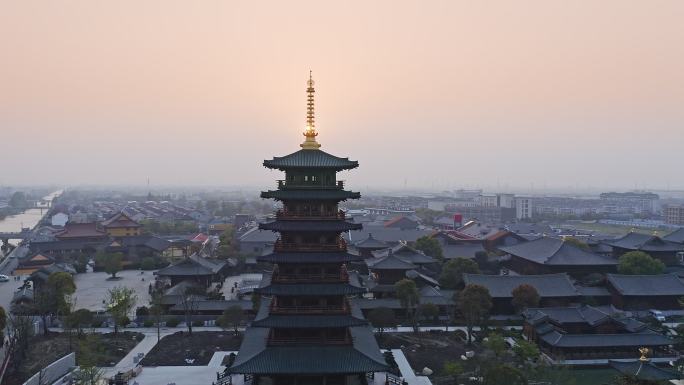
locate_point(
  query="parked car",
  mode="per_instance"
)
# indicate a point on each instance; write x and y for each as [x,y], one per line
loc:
[4,278]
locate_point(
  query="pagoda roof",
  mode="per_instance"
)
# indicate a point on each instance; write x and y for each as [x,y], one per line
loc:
[303,257]
[407,253]
[255,357]
[310,194]
[307,158]
[308,289]
[193,266]
[120,220]
[310,225]
[547,285]
[643,370]
[554,251]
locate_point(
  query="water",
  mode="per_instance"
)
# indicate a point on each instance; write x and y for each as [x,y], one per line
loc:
[29,218]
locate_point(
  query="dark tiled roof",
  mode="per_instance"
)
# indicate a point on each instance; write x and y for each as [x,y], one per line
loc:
[463,250]
[554,251]
[367,303]
[547,285]
[193,266]
[389,262]
[370,243]
[676,236]
[120,220]
[647,285]
[645,242]
[558,339]
[310,226]
[214,305]
[310,159]
[67,244]
[80,230]
[406,253]
[308,257]
[565,315]
[314,195]
[643,370]
[149,241]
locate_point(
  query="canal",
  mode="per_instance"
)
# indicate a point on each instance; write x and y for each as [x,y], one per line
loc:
[29,218]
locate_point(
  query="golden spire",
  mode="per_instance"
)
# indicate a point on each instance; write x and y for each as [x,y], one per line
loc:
[644,354]
[310,132]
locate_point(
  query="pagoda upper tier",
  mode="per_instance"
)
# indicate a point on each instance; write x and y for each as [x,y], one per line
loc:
[310,159]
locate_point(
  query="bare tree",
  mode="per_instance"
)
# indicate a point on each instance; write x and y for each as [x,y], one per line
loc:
[189,302]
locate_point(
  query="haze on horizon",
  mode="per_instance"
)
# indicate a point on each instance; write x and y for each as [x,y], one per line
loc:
[433,95]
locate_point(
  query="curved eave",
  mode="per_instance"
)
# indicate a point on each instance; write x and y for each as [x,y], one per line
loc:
[311,289]
[308,321]
[310,226]
[310,159]
[308,195]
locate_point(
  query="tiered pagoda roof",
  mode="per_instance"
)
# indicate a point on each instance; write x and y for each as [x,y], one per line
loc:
[308,159]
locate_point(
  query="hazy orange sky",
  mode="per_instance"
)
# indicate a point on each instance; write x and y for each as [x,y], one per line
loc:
[430,94]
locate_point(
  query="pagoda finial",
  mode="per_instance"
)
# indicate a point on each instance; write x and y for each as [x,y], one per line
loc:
[310,132]
[644,354]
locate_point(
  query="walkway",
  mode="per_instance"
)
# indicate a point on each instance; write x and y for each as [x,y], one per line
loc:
[406,371]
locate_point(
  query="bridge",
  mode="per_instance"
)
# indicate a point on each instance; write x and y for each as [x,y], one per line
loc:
[25,233]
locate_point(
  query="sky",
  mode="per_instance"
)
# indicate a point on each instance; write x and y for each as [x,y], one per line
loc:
[431,95]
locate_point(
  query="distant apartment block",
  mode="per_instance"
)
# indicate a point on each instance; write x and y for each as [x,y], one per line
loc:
[523,208]
[674,214]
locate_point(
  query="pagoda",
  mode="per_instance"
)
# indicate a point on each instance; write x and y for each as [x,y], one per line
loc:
[307,331]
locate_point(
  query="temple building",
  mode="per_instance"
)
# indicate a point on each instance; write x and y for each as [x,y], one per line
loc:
[307,331]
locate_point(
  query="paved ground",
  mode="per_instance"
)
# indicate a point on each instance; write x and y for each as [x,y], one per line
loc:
[92,288]
[7,290]
[230,282]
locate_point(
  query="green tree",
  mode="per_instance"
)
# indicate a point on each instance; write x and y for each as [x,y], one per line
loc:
[525,296]
[429,246]
[256,301]
[227,243]
[453,369]
[577,243]
[120,302]
[452,272]
[496,343]
[18,200]
[407,292]
[474,303]
[111,262]
[382,318]
[503,374]
[525,352]
[231,318]
[61,285]
[88,373]
[79,319]
[638,262]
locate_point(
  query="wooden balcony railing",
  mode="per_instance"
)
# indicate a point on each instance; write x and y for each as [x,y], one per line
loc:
[296,278]
[280,246]
[309,340]
[283,214]
[341,309]
[283,184]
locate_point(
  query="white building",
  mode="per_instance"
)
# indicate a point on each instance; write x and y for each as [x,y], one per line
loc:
[59,219]
[523,208]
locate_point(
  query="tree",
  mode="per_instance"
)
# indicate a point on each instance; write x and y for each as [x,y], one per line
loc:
[577,243]
[429,311]
[452,272]
[231,317]
[382,318]
[525,351]
[474,303]
[638,262]
[256,301]
[3,323]
[61,285]
[18,200]
[110,262]
[120,302]
[453,369]
[156,310]
[496,343]
[227,243]
[503,374]
[429,246]
[189,302]
[407,292]
[88,373]
[79,319]
[525,296]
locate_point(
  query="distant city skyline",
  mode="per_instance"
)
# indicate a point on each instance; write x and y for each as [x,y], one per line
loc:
[524,96]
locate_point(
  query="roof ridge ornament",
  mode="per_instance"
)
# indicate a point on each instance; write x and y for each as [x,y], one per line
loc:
[310,132]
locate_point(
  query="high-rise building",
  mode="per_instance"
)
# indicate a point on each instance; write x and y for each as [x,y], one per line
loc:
[307,331]
[674,214]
